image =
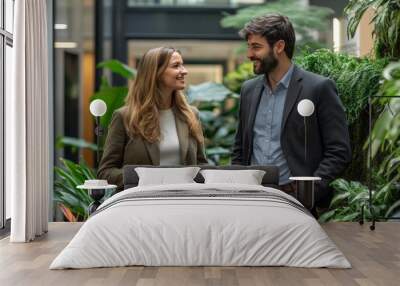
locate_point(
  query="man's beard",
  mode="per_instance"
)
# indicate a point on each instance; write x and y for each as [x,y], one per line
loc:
[268,64]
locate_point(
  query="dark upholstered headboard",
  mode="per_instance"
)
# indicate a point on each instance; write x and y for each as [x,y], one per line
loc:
[270,179]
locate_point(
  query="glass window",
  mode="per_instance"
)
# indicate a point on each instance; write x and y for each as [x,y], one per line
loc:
[9,15]
[8,87]
[1,14]
[2,205]
[6,66]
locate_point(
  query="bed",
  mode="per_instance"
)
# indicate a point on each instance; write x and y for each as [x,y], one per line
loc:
[201,224]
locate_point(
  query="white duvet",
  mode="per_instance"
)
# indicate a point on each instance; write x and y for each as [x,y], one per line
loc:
[188,231]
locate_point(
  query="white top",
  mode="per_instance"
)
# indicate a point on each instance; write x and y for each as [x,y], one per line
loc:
[96,184]
[169,143]
[305,178]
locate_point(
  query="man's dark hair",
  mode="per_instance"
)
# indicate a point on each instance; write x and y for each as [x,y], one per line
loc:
[273,27]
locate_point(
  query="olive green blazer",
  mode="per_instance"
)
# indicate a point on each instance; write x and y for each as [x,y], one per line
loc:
[120,149]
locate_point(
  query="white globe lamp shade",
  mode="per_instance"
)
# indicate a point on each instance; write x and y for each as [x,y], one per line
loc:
[98,107]
[305,107]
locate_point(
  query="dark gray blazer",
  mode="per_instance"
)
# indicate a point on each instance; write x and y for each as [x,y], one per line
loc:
[328,140]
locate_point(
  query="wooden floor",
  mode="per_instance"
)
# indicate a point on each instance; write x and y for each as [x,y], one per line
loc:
[375,256]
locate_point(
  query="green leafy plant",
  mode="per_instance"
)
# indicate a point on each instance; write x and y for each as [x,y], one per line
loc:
[236,78]
[218,110]
[72,202]
[385,138]
[306,19]
[351,196]
[386,21]
[356,78]
[346,205]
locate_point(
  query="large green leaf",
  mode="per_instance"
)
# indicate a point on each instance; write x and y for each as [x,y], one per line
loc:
[390,71]
[87,171]
[339,199]
[351,216]
[208,91]
[118,68]
[75,142]
[68,178]
[340,185]
[327,216]
[359,198]
[74,170]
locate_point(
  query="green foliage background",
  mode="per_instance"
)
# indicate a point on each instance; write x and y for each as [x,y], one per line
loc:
[356,80]
[386,23]
[305,19]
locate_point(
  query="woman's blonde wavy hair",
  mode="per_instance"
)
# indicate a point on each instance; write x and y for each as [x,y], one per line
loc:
[144,99]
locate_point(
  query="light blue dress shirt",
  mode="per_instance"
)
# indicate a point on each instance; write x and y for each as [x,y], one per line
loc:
[267,128]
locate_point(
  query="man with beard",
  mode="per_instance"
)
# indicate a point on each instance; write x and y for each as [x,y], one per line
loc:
[270,130]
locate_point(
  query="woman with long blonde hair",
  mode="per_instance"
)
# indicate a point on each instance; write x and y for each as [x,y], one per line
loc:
[156,126]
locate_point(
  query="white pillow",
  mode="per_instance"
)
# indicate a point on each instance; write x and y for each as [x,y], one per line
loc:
[163,176]
[248,177]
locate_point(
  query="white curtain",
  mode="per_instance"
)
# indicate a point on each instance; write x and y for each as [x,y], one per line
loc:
[28,141]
